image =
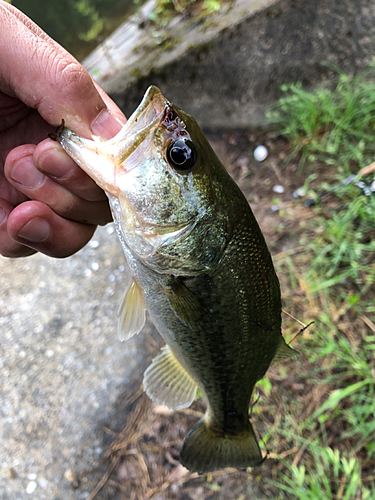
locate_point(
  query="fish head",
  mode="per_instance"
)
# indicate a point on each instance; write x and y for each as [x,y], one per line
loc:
[164,183]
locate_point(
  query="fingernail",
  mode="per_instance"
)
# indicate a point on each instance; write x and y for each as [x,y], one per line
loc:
[25,174]
[36,230]
[105,125]
[56,163]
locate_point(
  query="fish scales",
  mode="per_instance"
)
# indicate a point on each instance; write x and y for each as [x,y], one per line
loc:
[200,266]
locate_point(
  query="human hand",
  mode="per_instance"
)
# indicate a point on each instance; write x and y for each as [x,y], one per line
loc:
[47,203]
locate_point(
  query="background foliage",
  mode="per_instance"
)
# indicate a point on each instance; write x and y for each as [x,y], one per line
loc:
[78,25]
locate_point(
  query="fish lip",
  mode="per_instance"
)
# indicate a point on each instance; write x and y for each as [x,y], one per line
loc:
[89,153]
[153,100]
[153,95]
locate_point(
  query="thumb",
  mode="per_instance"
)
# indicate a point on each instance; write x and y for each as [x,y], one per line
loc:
[45,77]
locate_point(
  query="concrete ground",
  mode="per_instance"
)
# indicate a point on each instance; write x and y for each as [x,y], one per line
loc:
[64,372]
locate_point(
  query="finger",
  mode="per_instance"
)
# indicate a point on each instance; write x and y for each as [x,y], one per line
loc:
[37,31]
[9,193]
[22,174]
[52,161]
[35,226]
[56,84]
[9,247]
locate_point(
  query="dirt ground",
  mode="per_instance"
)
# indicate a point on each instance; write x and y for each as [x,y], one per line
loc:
[142,461]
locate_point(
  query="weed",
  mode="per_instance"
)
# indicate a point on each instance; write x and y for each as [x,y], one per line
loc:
[165,10]
[334,476]
[330,125]
[332,434]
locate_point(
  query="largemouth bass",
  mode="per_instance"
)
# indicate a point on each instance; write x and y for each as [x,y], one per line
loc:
[199,265]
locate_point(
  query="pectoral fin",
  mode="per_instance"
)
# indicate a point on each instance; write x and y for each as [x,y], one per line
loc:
[186,305]
[132,312]
[283,352]
[166,382]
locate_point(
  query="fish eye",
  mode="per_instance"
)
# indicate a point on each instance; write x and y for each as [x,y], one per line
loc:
[182,154]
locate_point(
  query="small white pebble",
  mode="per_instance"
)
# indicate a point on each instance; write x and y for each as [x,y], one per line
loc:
[43,482]
[275,208]
[121,269]
[93,244]
[298,193]
[69,475]
[111,277]
[260,153]
[87,272]
[278,189]
[15,462]
[31,476]
[94,266]
[49,354]
[31,487]
[4,464]
[372,187]
[110,229]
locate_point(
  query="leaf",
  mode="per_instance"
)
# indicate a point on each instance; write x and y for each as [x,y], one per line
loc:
[337,395]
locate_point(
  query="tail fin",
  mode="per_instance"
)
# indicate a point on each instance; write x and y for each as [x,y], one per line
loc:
[206,449]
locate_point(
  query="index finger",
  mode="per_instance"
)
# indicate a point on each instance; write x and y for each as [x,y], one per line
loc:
[50,159]
[56,84]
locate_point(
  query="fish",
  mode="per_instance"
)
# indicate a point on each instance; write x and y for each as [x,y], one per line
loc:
[199,265]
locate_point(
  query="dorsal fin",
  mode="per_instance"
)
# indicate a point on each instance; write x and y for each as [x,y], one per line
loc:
[132,312]
[167,383]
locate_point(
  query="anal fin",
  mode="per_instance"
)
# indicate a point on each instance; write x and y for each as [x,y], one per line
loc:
[132,312]
[167,383]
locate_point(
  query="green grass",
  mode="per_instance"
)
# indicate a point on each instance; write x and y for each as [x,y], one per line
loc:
[330,125]
[329,429]
[333,476]
[165,10]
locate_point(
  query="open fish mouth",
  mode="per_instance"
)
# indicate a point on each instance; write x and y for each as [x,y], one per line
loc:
[102,160]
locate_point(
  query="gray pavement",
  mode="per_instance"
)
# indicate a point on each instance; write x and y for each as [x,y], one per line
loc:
[63,370]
